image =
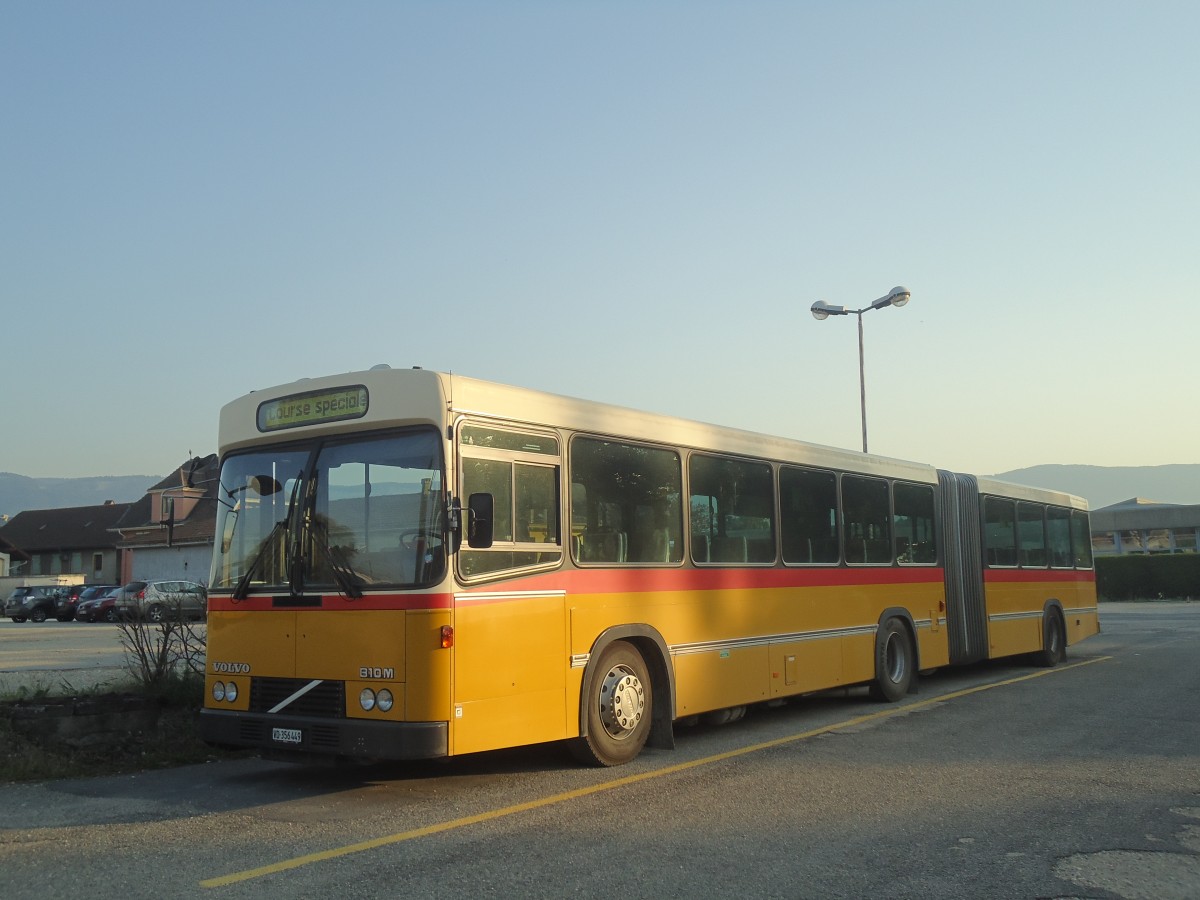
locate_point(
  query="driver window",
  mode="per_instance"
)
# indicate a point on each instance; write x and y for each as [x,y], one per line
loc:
[521,472]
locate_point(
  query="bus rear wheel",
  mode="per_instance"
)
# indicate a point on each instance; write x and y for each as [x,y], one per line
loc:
[1054,645]
[619,706]
[895,662]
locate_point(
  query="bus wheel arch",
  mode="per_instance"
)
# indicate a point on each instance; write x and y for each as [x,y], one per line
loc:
[621,657]
[1054,636]
[897,656]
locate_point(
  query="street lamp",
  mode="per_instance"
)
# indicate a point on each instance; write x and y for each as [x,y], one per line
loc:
[821,310]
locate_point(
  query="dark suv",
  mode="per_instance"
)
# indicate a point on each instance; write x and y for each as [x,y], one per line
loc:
[67,599]
[33,603]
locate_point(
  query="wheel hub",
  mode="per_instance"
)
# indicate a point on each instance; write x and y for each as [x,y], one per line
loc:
[622,701]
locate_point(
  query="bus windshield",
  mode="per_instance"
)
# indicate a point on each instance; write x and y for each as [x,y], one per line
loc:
[338,515]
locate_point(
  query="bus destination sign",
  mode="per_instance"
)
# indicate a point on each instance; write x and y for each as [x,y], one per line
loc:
[313,408]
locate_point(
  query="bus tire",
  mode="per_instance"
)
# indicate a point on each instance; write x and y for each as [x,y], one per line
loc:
[619,708]
[1054,644]
[895,662]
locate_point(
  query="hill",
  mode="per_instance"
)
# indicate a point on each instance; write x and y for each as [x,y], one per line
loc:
[1106,485]
[19,492]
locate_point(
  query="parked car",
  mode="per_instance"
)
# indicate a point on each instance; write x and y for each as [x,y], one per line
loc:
[158,600]
[35,603]
[101,608]
[90,592]
[65,601]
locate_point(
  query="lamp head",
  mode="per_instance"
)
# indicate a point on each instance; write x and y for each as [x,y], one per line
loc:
[822,310]
[897,296]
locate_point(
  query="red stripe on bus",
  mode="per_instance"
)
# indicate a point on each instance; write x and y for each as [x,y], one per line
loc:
[266,603]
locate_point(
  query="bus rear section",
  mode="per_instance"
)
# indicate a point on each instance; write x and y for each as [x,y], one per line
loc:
[1019,573]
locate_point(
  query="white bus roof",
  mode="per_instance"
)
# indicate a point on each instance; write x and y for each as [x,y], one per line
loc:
[1026,492]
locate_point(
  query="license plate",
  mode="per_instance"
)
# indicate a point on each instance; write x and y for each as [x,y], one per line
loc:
[286,735]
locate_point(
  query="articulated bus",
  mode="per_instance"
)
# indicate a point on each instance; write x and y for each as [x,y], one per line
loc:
[411,564]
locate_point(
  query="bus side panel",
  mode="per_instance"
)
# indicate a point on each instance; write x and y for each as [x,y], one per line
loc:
[773,643]
[510,665]
[715,679]
[924,603]
[798,667]
[1016,600]
[1014,611]
[1080,610]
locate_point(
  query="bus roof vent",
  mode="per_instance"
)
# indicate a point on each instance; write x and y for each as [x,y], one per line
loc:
[379,367]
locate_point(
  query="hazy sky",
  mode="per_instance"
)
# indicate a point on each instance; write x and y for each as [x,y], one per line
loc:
[629,202]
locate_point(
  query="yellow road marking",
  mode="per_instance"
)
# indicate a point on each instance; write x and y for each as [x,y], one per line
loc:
[402,836]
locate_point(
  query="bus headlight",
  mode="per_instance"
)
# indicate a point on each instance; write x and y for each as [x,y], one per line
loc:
[231,692]
[366,699]
[384,701]
[218,691]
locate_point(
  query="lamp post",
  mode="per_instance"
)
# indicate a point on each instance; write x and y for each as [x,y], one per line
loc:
[897,296]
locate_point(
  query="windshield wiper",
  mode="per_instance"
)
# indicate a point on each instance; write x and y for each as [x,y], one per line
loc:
[279,531]
[313,527]
[346,578]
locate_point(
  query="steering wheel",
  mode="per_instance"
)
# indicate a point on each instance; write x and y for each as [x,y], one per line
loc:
[410,540]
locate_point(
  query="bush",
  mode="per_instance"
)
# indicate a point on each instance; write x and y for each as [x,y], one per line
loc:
[165,654]
[1148,577]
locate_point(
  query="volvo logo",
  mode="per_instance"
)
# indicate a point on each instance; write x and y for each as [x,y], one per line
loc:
[231,668]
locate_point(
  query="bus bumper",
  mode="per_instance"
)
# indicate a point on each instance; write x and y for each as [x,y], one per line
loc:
[301,735]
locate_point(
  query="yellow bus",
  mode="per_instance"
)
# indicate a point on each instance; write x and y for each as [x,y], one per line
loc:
[410,564]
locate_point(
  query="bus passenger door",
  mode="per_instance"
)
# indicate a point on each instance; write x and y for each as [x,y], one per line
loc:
[510,631]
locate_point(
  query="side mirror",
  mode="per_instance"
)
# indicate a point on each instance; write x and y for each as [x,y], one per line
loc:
[480,521]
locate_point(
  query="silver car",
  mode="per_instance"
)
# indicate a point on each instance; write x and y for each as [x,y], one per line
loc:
[155,601]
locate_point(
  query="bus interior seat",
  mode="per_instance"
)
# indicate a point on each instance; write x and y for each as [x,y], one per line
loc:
[605,546]
[760,550]
[729,549]
[651,546]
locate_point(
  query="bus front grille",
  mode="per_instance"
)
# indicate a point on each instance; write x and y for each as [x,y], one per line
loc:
[325,700]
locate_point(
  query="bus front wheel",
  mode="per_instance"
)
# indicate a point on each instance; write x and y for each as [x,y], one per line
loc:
[895,662]
[619,704]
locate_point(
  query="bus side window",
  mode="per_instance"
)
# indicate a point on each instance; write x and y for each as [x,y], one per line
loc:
[808,516]
[1000,531]
[913,517]
[625,503]
[732,504]
[1058,534]
[1031,532]
[866,510]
